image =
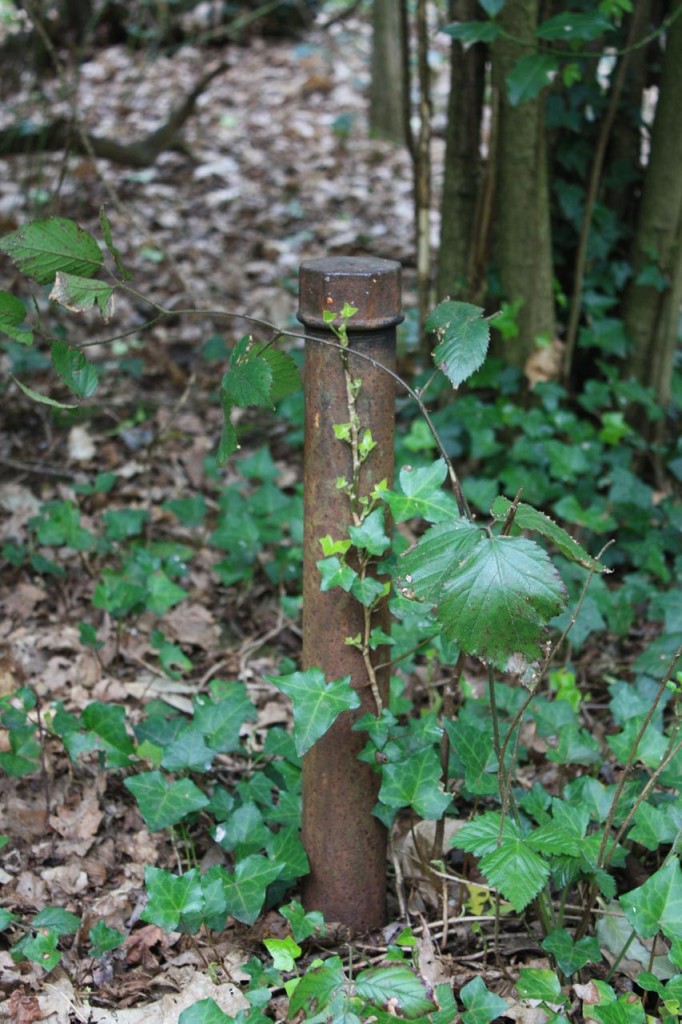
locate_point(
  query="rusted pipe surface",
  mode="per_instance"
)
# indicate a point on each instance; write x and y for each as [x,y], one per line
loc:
[346,844]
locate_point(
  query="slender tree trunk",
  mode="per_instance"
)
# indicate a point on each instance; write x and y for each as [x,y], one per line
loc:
[652,312]
[462,161]
[524,250]
[388,92]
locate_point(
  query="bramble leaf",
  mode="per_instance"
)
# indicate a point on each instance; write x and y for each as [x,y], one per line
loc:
[286,379]
[470,32]
[397,985]
[574,25]
[12,316]
[317,704]
[44,247]
[43,399]
[79,375]
[529,518]
[80,294]
[463,337]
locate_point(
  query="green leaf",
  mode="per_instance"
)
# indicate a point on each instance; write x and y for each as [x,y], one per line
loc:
[528,518]
[37,397]
[6,919]
[171,897]
[463,337]
[469,32]
[58,920]
[284,952]
[102,939]
[286,379]
[42,949]
[285,848]
[188,752]
[370,535]
[482,1006]
[493,595]
[529,76]
[107,722]
[317,704]
[657,905]
[369,590]
[474,748]
[303,924]
[106,234]
[415,782]
[317,986]
[492,7]
[484,832]
[422,495]
[335,573]
[205,1011]
[245,891]
[539,983]
[248,381]
[79,375]
[163,803]
[572,25]
[12,315]
[517,871]
[228,435]
[398,985]
[162,593]
[80,294]
[656,826]
[569,955]
[43,248]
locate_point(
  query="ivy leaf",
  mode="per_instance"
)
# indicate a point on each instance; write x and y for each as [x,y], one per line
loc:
[529,76]
[164,803]
[528,518]
[482,1005]
[42,949]
[107,722]
[370,535]
[162,593]
[415,782]
[570,956]
[463,337]
[469,32]
[205,1011]
[475,749]
[575,26]
[12,316]
[245,891]
[335,573]
[539,983]
[44,247]
[103,939]
[171,897]
[657,905]
[397,985]
[58,920]
[79,375]
[317,704]
[422,495]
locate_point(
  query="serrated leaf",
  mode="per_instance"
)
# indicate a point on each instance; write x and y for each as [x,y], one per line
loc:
[422,495]
[493,595]
[171,897]
[245,891]
[81,293]
[574,25]
[463,337]
[657,905]
[164,803]
[415,782]
[228,435]
[517,871]
[529,76]
[286,379]
[469,32]
[316,703]
[483,834]
[482,1005]
[43,248]
[248,382]
[529,518]
[426,568]
[398,985]
[74,369]
[12,316]
[37,397]
[317,985]
[106,233]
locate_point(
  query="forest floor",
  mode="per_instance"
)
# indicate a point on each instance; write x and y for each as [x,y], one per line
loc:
[276,167]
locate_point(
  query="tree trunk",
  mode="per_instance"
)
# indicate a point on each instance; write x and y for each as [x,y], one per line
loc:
[388,92]
[524,250]
[462,162]
[652,313]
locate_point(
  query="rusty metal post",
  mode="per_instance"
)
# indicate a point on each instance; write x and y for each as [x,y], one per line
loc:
[346,844]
